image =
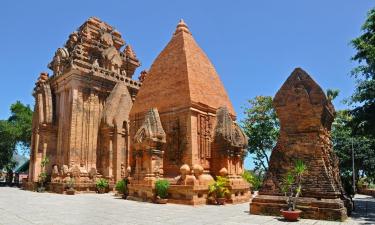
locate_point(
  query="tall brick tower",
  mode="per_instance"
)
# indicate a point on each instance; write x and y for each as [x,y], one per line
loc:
[172,125]
[81,111]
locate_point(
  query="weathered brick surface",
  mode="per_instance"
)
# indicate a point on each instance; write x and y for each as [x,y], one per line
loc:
[81,116]
[84,124]
[305,116]
[181,75]
[184,87]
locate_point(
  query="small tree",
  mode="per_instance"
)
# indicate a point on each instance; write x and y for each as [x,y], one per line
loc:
[253,179]
[344,142]
[15,131]
[262,127]
[42,178]
[364,95]
[292,184]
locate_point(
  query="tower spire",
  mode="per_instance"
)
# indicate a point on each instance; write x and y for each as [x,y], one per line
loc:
[182,27]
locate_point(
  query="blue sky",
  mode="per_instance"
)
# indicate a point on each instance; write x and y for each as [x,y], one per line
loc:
[254,45]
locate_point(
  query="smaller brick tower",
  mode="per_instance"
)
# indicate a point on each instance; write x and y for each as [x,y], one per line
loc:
[306,116]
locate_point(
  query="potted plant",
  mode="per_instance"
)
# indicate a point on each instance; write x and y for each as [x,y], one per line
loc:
[70,190]
[291,187]
[42,178]
[122,187]
[161,188]
[41,181]
[101,185]
[219,189]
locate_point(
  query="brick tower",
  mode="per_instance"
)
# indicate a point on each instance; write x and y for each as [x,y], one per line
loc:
[173,123]
[81,112]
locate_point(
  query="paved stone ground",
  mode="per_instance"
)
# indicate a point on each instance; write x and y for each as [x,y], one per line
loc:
[19,207]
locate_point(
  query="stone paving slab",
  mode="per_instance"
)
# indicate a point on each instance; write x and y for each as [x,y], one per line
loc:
[19,207]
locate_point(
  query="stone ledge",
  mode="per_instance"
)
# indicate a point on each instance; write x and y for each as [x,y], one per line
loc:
[312,208]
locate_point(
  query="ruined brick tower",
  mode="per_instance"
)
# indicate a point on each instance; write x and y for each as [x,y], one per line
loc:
[177,131]
[306,116]
[81,112]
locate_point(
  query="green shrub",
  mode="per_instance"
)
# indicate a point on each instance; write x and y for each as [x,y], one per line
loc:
[101,184]
[71,183]
[219,187]
[162,187]
[122,186]
[253,179]
[362,182]
[42,178]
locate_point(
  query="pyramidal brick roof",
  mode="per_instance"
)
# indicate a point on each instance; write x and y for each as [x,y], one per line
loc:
[181,76]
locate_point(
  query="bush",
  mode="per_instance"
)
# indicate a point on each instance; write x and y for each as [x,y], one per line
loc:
[219,187]
[122,186]
[71,183]
[162,187]
[101,184]
[253,179]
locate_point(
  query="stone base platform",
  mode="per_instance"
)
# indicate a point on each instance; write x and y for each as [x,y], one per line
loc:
[312,208]
[60,188]
[29,186]
[187,194]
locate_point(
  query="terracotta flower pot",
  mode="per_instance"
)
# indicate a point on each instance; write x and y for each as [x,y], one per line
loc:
[101,190]
[161,200]
[70,192]
[220,201]
[291,215]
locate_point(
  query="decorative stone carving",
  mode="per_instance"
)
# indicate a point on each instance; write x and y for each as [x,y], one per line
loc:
[117,106]
[148,142]
[43,134]
[106,39]
[43,78]
[151,129]
[112,59]
[97,45]
[64,170]
[43,97]
[72,41]
[204,139]
[55,175]
[229,144]
[142,76]
[305,116]
[76,172]
[129,52]
[185,177]
[198,170]
[230,133]
[177,143]
[59,61]
[93,173]
[223,172]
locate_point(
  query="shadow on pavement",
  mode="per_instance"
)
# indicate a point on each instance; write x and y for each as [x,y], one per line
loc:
[364,212]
